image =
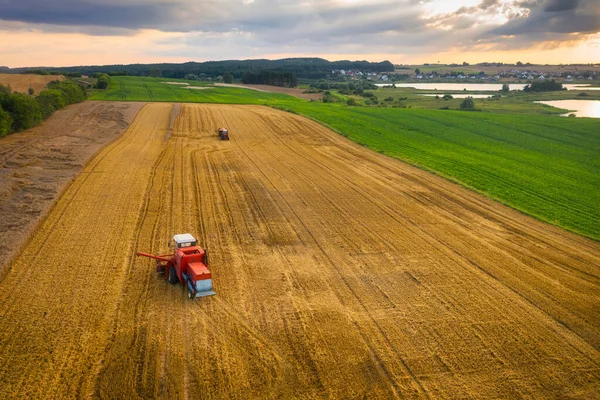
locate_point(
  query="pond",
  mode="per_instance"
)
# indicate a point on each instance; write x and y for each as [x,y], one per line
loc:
[491,87]
[583,108]
[461,95]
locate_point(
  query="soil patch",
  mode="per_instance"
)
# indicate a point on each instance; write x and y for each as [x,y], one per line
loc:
[36,165]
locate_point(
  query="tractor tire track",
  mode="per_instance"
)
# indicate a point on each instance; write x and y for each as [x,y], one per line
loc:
[339,272]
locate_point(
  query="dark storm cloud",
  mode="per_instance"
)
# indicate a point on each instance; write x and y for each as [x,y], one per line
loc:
[84,13]
[561,5]
[211,15]
[314,25]
[555,17]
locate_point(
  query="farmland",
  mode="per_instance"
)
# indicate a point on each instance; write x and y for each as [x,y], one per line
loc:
[339,272]
[545,167]
[124,88]
[22,82]
[37,165]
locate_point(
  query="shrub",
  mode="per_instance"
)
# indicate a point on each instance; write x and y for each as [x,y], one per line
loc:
[5,122]
[24,110]
[545,86]
[447,97]
[103,82]
[49,101]
[227,77]
[74,93]
[467,104]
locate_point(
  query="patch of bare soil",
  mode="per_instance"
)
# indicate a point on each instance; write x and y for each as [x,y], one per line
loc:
[36,165]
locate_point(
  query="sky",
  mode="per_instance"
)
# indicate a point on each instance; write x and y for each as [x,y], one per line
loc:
[99,32]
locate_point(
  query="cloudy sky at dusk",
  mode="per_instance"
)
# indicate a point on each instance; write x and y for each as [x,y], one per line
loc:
[83,32]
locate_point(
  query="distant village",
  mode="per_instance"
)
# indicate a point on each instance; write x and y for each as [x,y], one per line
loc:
[588,73]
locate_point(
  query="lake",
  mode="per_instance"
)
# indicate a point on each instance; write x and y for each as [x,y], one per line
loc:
[461,95]
[584,108]
[491,87]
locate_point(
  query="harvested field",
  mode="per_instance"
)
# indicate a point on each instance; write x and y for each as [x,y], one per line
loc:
[36,165]
[22,82]
[339,273]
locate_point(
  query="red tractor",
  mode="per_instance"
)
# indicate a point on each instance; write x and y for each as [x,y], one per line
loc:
[187,265]
[223,133]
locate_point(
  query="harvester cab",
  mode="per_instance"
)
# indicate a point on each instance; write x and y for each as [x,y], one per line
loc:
[184,240]
[188,265]
[224,133]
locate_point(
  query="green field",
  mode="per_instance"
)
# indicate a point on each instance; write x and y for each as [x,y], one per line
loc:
[513,102]
[128,88]
[545,166]
[548,167]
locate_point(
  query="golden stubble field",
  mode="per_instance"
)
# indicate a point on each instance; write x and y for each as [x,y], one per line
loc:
[38,164]
[339,272]
[22,82]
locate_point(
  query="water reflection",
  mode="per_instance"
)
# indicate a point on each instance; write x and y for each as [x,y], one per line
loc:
[583,108]
[491,87]
[461,95]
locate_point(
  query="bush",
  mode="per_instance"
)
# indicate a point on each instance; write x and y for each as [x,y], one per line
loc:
[103,82]
[545,86]
[227,77]
[74,93]
[467,104]
[351,101]
[5,122]
[49,101]
[19,111]
[447,97]
[24,110]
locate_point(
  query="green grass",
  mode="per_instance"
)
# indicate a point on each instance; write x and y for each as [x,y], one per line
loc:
[548,167]
[510,103]
[545,166]
[129,88]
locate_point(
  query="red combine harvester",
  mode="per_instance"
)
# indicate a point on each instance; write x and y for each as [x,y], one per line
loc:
[223,133]
[187,265]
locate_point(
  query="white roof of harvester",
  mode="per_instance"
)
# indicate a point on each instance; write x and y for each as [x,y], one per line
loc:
[184,238]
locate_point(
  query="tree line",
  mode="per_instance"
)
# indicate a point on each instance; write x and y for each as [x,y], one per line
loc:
[286,79]
[545,86]
[303,68]
[19,111]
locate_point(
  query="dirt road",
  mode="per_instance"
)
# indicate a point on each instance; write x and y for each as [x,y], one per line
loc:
[36,165]
[339,273]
